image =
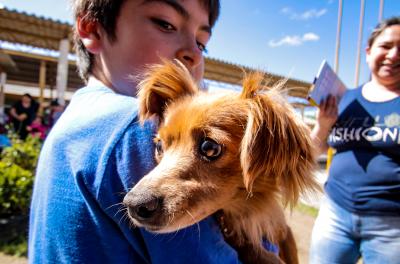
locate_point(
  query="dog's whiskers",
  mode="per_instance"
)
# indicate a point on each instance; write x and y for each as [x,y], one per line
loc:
[121,209]
[114,205]
[125,217]
[171,218]
[194,220]
[249,195]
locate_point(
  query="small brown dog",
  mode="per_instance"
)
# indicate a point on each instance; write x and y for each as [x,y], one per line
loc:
[233,155]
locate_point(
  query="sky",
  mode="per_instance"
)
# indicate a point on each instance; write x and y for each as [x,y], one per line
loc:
[285,37]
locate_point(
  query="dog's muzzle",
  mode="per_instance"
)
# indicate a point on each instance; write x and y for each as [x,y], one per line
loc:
[144,207]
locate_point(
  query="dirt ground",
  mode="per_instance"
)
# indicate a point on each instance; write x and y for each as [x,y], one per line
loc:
[301,224]
[5,259]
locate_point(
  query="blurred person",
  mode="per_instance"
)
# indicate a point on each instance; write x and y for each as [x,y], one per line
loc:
[55,112]
[22,113]
[360,213]
[37,128]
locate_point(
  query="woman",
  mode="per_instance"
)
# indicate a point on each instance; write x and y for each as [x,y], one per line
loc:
[22,114]
[360,214]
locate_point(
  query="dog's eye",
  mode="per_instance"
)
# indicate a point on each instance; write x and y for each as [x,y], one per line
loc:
[159,147]
[210,149]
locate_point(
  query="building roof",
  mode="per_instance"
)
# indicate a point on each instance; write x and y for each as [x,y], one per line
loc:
[27,29]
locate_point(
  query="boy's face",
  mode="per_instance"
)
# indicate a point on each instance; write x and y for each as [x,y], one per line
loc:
[146,31]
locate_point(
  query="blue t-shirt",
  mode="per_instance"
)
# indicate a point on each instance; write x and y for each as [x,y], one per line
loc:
[364,176]
[93,155]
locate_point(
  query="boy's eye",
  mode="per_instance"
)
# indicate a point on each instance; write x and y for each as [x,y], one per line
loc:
[163,24]
[202,47]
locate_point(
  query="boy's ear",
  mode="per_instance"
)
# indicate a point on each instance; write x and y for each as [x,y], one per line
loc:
[162,84]
[89,33]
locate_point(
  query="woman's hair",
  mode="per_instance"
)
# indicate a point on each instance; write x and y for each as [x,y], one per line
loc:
[106,13]
[381,27]
[28,95]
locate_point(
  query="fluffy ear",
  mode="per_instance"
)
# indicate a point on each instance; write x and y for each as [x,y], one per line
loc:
[162,84]
[276,145]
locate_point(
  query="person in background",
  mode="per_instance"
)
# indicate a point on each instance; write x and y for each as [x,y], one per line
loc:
[37,128]
[22,113]
[97,150]
[55,112]
[360,214]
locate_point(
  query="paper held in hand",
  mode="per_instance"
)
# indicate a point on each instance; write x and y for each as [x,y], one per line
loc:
[325,83]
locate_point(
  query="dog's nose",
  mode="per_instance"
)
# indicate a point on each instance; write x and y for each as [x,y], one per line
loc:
[143,207]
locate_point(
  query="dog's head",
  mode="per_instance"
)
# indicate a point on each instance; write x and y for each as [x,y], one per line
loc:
[215,151]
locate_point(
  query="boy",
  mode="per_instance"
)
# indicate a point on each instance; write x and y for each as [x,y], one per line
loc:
[97,150]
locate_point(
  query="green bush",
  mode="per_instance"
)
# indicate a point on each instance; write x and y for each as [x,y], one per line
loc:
[17,169]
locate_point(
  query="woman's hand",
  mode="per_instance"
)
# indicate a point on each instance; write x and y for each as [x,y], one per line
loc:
[327,115]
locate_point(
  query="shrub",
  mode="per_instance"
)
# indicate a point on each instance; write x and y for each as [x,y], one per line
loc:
[17,168]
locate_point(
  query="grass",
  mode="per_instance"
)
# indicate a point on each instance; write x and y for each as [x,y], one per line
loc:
[309,210]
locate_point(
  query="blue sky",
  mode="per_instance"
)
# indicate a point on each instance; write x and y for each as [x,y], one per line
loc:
[285,37]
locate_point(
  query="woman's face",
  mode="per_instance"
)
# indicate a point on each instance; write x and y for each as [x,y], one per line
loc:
[383,57]
[26,101]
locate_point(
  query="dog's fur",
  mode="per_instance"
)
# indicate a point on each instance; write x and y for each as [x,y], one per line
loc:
[243,153]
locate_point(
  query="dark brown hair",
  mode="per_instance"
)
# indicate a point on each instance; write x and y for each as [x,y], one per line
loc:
[381,27]
[106,13]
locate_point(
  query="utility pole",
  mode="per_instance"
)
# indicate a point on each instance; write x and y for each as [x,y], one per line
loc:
[360,35]
[381,4]
[338,32]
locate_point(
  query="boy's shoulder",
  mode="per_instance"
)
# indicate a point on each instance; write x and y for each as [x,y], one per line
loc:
[95,117]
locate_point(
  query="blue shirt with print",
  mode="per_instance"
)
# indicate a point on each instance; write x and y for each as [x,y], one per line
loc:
[364,176]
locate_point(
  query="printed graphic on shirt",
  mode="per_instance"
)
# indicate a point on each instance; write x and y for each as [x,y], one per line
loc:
[384,129]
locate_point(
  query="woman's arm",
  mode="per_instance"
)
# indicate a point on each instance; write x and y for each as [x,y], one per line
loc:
[326,117]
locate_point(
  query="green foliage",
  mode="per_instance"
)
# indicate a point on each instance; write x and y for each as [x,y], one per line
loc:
[13,235]
[17,168]
[19,247]
[312,211]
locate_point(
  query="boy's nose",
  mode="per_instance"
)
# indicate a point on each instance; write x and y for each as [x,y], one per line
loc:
[190,55]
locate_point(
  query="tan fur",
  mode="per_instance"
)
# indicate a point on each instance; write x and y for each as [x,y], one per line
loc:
[267,157]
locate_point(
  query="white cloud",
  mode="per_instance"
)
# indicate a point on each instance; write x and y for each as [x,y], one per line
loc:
[295,40]
[309,14]
[310,37]
[286,10]
[288,41]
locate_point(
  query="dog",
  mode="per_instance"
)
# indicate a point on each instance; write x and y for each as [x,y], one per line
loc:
[242,157]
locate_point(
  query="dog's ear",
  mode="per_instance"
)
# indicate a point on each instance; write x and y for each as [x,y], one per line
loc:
[276,143]
[163,83]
